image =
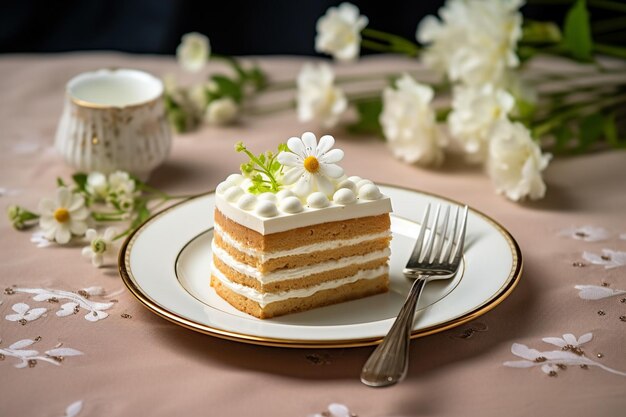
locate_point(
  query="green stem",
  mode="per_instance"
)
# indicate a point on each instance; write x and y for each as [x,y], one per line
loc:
[610,50]
[608,5]
[262,168]
[608,25]
[557,119]
[375,46]
[398,43]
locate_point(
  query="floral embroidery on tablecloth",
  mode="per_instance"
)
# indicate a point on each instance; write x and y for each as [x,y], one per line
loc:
[551,362]
[76,301]
[586,233]
[30,357]
[24,313]
[609,258]
[596,292]
[73,409]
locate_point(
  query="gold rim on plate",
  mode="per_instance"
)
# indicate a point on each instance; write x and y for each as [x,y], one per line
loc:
[505,290]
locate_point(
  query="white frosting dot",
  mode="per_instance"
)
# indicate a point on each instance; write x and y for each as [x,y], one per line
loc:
[233,193]
[291,204]
[246,184]
[236,179]
[362,183]
[350,185]
[369,192]
[268,197]
[246,202]
[282,194]
[355,179]
[266,208]
[223,186]
[344,197]
[317,200]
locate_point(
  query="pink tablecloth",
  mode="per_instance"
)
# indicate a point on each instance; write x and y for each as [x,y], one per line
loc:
[144,365]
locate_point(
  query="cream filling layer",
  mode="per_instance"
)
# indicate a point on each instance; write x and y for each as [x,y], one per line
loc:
[293,273]
[267,298]
[300,250]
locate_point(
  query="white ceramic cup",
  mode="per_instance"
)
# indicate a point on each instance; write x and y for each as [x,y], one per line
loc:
[114,120]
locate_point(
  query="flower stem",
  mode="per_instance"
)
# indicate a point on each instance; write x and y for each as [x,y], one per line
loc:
[557,119]
[397,43]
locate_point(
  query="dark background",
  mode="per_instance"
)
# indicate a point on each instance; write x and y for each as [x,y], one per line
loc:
[235,27]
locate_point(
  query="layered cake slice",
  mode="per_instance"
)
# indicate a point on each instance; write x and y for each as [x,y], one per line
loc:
[293,233]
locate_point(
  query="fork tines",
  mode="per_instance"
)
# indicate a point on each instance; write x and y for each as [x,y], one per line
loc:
[444,243]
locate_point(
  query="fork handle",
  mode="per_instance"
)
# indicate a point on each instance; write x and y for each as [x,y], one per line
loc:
[389,362]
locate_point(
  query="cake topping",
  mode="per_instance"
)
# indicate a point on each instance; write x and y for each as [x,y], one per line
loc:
[347,184]
[223,186]
[235,179]
[246,202]
[344,196]
[233,193]
[317,200]
[266,208]
[282,194]
[268,197]
[311,165]
[291,205]
[369,192]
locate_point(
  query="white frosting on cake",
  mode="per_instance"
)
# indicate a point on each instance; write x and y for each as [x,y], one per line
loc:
[313,190]
[293,273]
[300,250]
[266,298]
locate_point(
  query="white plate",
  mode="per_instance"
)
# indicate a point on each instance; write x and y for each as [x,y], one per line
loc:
[165,264]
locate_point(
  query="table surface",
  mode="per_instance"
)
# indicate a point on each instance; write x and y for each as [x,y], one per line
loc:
[144,365]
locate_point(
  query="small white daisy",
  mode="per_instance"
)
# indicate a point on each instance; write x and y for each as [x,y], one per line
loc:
[311,164]
[99,245]
[64,216]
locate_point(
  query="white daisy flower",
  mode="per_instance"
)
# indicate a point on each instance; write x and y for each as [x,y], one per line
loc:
[99,245]
[193,51]
[339,32]
[311,164]
[64,216]
[515,162]
[222,111]
[409,123]
[318,98]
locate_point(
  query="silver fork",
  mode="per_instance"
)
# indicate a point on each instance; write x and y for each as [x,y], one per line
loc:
[439,257]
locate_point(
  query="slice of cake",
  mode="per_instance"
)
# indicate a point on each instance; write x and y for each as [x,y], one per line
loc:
[294,233]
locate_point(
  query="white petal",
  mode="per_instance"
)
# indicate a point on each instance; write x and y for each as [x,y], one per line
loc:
[46,205]
[109,234]
[332,157]
[596,292]
[290,159]
[324,185]
[62,235]
[547,368]
[94,290]
[331,170]
[77,202]
[326,143]
[35,313]
[338,410]
[73,409]
[556,341]
[80,214]
[304,186]
[64,352]
[296,146]
[310,143]
[293,175]
[64,197]
[97,260]
[570,339]
[21,344]
[91,234]
[519,364]
[524,351]
[20,308]
[14,317]
[78,227]
[585,338]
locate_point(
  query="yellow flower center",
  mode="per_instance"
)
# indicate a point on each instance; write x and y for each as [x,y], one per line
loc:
[61,215]
[311,164]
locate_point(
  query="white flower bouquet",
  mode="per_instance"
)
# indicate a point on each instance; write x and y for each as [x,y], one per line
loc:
[487,105]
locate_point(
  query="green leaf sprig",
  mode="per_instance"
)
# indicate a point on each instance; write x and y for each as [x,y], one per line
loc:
[263,169]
